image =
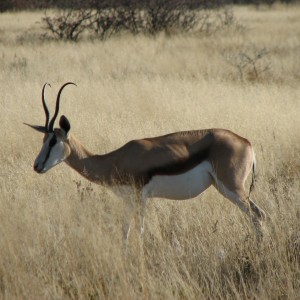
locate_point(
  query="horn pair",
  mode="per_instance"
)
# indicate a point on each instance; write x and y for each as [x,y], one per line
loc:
[49,126]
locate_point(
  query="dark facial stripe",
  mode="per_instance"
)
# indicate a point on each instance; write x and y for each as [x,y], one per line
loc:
[52,143]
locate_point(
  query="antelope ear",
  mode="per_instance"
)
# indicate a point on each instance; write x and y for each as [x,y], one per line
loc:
[64,124]
[38,128]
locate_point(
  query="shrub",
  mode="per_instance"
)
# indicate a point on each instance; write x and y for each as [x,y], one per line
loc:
[151,17]
[69,24]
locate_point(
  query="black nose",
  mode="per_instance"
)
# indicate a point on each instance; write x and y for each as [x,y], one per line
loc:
[35,167]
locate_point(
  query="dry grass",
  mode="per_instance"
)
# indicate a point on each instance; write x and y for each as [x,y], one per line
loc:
[62,240]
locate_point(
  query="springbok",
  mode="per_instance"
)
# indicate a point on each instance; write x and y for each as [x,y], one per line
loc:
[177,166]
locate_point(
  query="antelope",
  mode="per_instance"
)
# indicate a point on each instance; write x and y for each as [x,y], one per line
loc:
[178,166]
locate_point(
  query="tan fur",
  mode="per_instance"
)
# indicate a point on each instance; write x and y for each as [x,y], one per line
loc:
[230,155]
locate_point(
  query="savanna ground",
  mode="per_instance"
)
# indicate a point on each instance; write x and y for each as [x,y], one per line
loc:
[60,236]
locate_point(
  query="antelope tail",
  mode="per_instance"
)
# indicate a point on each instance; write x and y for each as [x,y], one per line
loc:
[252,185]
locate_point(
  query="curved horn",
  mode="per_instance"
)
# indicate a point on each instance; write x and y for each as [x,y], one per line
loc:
[45,106]
[57,106]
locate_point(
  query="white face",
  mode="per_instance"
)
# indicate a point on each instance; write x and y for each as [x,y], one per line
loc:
[52,153]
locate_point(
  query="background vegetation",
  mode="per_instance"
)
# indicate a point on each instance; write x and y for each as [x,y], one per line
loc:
[60,236]
[42,4]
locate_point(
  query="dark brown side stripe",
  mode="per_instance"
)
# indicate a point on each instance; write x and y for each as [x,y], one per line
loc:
[181,166]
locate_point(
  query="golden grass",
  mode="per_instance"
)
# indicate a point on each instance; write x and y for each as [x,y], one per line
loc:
[60,236]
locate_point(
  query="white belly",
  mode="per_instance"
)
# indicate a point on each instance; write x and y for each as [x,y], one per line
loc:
[180,187]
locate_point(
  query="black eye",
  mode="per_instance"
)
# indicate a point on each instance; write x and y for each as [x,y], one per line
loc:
[52,141]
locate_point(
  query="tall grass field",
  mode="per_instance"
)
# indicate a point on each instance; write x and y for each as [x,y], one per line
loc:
[61,236]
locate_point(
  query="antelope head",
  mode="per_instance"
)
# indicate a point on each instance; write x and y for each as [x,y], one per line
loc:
[55,147]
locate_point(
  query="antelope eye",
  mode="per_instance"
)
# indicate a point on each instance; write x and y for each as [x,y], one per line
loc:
[52,141]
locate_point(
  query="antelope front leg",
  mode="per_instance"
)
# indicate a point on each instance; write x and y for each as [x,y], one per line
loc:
[129,212]
[143,209]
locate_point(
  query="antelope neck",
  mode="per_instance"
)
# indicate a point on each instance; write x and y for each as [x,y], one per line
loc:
[93,167]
